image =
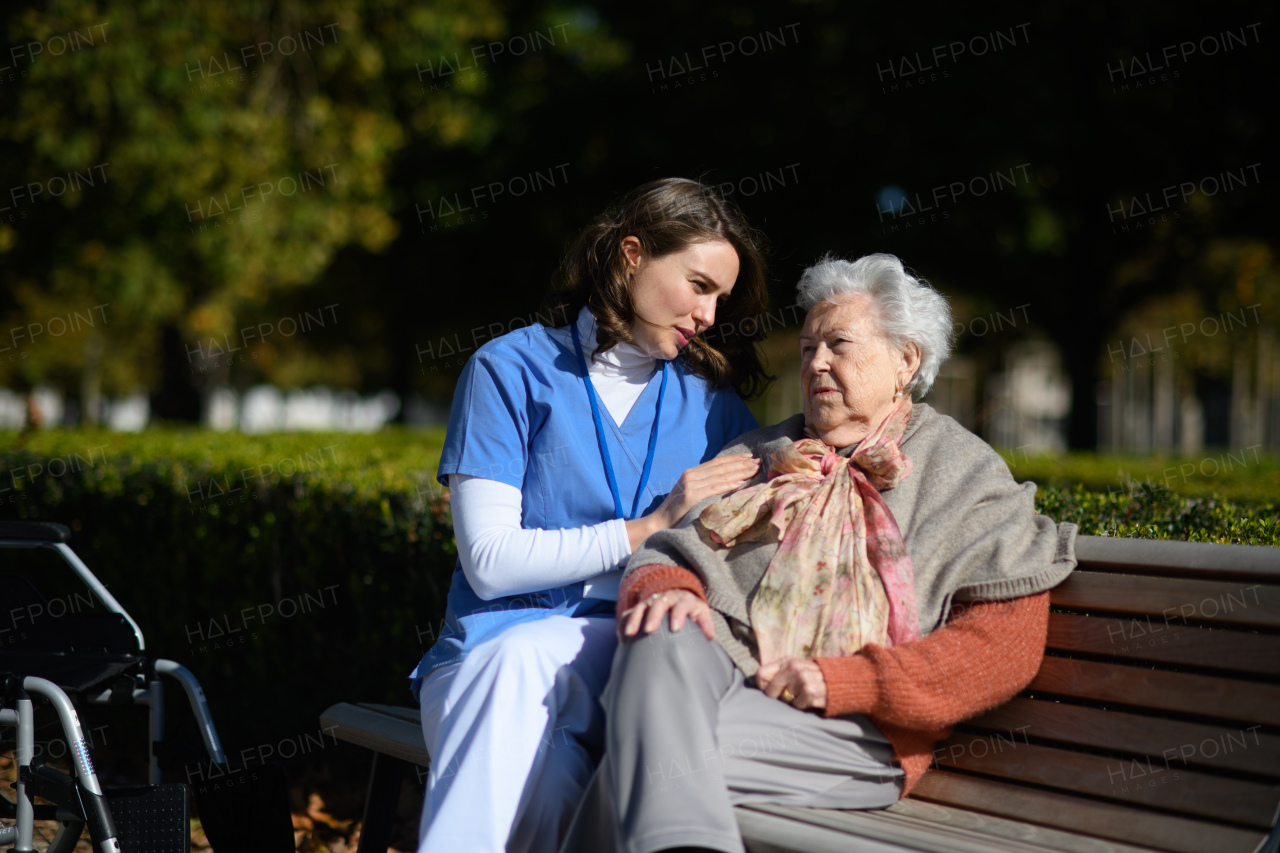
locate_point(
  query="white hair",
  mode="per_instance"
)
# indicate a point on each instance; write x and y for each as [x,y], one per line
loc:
[908,309]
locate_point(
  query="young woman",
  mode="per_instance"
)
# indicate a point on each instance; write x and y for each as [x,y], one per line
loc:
[566,447]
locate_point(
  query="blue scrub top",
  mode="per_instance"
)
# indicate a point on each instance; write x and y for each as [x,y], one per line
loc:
[521,416]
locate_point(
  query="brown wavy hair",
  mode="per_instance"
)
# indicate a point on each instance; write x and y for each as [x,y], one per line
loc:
[666,216]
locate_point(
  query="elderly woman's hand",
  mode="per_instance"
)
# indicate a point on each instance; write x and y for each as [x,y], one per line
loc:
[680,603]
[799,678]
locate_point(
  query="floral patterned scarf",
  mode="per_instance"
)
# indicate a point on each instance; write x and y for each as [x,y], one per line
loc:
[841,577]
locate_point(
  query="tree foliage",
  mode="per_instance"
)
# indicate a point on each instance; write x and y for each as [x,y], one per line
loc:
[237,149]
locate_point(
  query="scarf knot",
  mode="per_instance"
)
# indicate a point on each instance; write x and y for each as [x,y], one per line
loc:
[841,576]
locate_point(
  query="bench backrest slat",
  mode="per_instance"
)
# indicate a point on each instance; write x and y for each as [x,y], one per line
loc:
[1226,699]
[1179,559]
[1159,697]
[1172,601]
[1078,814]
[1166,745]
[1190,792]
[1133,639]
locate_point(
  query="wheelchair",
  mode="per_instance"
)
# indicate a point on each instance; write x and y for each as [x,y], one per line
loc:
[53,652]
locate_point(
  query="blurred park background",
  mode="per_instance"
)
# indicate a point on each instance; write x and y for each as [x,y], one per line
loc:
[264,237]
[276,215]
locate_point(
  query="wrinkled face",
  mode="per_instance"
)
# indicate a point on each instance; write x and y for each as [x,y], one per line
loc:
[675,296]
[848,371]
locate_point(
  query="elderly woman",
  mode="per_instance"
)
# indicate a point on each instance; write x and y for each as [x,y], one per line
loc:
[882,578]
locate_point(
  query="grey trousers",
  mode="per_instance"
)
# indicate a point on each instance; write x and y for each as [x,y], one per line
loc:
[687,739]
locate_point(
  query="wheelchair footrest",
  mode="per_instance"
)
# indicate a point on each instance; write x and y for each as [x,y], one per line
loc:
[152,818]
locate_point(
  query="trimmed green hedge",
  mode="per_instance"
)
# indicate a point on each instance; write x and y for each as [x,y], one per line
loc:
[288,572]
[1221,496]
[1157,512]
[332,553]
[1246,476]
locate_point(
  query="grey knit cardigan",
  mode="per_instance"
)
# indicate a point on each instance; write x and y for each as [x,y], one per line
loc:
[971,531]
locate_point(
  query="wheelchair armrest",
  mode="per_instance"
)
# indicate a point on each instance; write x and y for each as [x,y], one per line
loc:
[35,531]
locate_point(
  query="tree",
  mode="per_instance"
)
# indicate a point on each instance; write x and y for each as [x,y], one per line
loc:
[180,166]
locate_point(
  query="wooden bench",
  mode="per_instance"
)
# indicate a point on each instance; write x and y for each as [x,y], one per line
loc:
[1153,724]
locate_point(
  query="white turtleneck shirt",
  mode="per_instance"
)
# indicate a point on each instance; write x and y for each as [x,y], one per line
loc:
[501,558]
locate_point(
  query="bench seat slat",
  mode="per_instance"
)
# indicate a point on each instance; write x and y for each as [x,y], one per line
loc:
[1170,743]
[1221,649]
[1084,815]
[913,825]
[377,731]
[1129,780]
[1172,601]
[411,715]
[947,817]
[1160,690]
[764,832]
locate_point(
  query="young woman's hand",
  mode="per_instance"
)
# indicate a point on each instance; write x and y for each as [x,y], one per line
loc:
[713,477]
[680,603]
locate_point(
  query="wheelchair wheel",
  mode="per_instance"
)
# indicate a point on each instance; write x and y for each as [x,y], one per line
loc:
[52,836]
[60,837]
[48,836]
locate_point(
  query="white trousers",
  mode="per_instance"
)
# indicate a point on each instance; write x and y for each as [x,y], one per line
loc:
[511,730]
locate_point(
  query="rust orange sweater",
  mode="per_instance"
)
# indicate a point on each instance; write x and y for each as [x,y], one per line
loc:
[917,691]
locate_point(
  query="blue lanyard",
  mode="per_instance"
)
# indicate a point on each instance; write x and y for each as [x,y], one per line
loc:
[604,446]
